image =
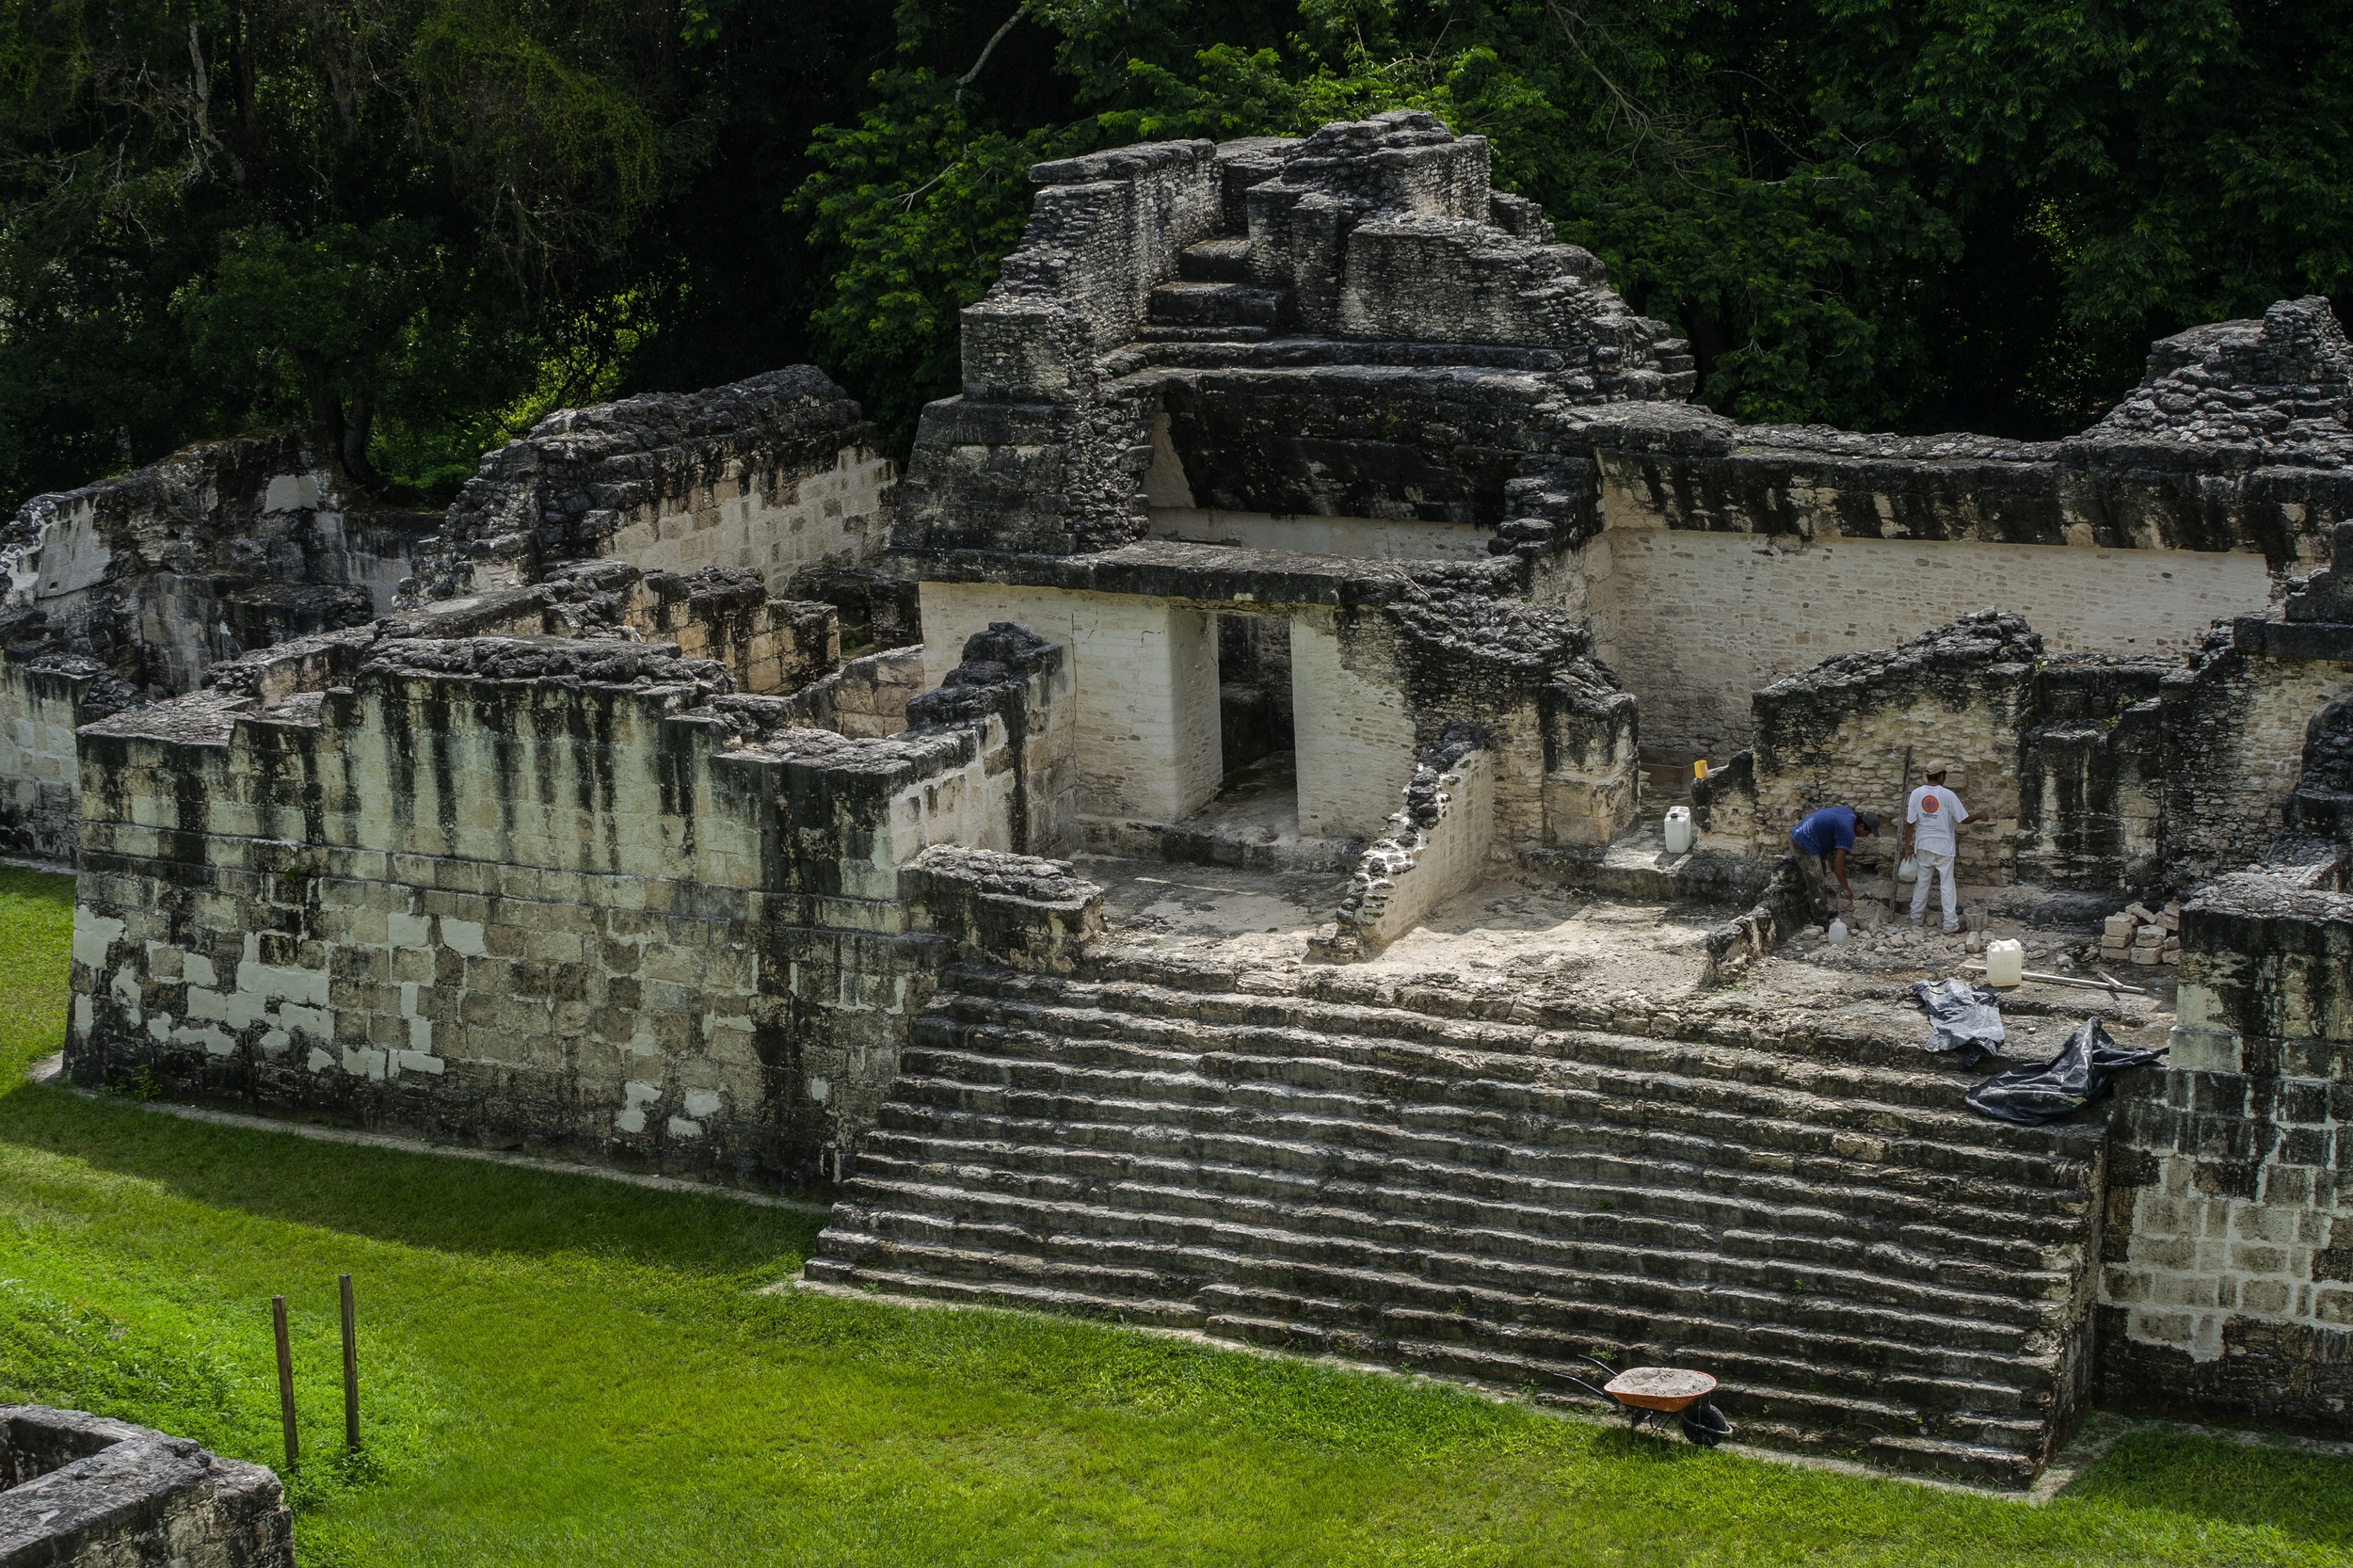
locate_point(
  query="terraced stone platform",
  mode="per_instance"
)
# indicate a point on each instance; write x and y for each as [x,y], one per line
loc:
[1487,1188]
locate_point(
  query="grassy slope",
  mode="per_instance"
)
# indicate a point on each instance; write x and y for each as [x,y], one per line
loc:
[562,1370]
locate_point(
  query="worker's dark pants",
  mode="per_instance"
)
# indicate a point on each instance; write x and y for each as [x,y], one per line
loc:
[1821,889]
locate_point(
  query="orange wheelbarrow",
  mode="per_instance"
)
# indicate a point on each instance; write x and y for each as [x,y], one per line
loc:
[1644,1392]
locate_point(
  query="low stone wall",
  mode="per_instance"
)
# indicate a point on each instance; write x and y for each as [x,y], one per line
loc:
[2227,1285]
[80,1490]
[778,474]
[1438,849]
[1837,736]
[571,894]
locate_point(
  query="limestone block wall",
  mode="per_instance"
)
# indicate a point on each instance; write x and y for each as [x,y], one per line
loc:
[2091,775]
[768,645]
[776,475]
[161,572]
[775,521]
[1438,849]
[576,896]
[2227,1281]
[867,699]
[1145,669]
[1353,727]
[1104,231]
[43,700]
[2235,748]
[1693,621]
[1836,737]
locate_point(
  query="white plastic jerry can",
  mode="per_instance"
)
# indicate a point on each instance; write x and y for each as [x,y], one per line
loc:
[1678,829]
[1837,932]
[2005,962]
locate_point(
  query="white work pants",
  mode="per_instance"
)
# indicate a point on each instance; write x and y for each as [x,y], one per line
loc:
[1939,867]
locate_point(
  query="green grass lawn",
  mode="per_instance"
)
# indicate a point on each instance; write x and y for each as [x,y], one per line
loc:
[564,1371]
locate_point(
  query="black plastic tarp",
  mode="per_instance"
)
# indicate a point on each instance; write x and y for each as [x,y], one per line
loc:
[2045,1090]
[1962,1016]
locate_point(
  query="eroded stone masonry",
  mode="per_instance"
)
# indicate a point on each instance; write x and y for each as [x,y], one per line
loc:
[1190,848]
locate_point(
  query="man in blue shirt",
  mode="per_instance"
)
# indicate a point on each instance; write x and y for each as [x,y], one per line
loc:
[1822,841]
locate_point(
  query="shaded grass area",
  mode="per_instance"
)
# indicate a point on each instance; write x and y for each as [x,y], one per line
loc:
[560,1371]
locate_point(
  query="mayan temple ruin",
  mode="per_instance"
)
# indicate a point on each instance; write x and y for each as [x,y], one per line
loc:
[1195,845]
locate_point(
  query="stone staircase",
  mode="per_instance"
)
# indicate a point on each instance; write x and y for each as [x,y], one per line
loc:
[1868,1268]
[1213,298]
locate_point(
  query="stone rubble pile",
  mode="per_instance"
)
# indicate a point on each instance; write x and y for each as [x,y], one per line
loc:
[2139,935]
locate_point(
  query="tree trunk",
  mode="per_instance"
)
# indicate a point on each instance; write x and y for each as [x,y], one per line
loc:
[357,430]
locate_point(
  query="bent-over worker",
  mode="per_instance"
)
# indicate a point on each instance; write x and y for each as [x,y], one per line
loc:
[1932,820]
[1822,841]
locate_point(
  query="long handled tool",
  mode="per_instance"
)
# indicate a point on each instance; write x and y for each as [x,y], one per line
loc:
[1895,825]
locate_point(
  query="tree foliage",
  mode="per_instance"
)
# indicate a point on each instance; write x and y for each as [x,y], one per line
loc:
[423,223]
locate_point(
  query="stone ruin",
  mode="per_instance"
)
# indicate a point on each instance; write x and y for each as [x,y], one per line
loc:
[82,1490]
[1309,519]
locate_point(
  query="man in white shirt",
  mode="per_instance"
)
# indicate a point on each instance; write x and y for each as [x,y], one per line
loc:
[1932,820]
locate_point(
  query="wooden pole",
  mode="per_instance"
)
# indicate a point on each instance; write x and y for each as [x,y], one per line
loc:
[1896,832]
[286,1380]
[351,1365]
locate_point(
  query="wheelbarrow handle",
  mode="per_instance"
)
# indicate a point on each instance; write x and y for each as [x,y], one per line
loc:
[1601,1394]
[1596,1361]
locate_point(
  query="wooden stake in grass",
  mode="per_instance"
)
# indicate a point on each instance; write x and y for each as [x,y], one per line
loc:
[351,1365]
[286,1380]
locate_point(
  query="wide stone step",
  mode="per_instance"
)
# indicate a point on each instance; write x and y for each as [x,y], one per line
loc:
[1099,1036]
[1993,1445]
[1220,304]
[1346,1239]
[1550,1292]
[1514,1050]
[1430,1014]
[1486,1113]
[1399,1218]
[1221,260]
[1483,1167]
[1462,1180]
[1794,1224]
[1031,1052]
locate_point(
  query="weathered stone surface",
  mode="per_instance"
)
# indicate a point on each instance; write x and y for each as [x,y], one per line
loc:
[79,1489]
[776,474]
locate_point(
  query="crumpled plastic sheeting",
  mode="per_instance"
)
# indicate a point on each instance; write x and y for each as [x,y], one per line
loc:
[2046,1090]
[1962,1016]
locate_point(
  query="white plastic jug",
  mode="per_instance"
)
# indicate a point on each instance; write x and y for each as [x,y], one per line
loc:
[1908,870]
[1678,829]
[1837,932]
[2005,962]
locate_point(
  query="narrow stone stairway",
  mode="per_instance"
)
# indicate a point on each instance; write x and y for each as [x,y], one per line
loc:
[1213,298]
[1868,1267]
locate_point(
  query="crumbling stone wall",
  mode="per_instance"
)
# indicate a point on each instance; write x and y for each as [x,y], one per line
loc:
[43,699]
[778,474]
[215,550]
[1837,735]
[2198,498]
[81,1491]
[2228,1280]
[571,892]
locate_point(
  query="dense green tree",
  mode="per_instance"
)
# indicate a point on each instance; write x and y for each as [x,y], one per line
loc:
[424,222]
[1888,213]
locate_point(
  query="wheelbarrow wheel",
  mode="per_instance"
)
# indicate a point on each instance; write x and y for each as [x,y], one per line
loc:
[1704,1424]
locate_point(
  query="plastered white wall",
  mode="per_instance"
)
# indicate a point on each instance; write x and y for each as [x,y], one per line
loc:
[1148,742]
[1355,738]
[1695,622]
[776,529]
